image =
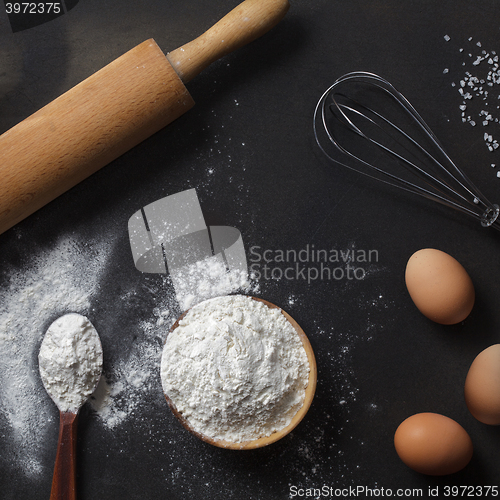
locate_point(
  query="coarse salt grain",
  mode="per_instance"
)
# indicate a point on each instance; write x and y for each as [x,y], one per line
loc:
[478,89]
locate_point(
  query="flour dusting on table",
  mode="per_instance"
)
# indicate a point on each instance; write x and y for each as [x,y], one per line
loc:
[132,379]
[59,280]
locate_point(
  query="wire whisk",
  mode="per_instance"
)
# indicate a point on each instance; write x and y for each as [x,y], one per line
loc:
[362,122]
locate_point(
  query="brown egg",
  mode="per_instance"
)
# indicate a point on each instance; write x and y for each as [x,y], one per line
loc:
[439,286]
[482,386]
[433,444]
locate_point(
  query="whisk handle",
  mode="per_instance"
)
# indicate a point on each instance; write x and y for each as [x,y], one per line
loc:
[491,217]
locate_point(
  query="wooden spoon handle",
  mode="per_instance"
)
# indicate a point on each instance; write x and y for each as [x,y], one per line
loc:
[246,22]
[63,480]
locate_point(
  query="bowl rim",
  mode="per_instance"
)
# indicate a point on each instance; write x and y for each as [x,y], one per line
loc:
[297,418]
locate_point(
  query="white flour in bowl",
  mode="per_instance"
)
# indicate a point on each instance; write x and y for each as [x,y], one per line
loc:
[235,369]
[70,361]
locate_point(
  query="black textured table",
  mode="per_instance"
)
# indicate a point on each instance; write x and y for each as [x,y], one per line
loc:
[248,150]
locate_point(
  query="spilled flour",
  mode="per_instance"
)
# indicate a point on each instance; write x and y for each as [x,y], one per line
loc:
[66,279]
[60,280]
[130,381]
[135,378]
[206,279]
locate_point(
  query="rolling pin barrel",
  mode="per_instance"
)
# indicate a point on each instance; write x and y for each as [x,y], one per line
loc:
[112,111]
[86,128]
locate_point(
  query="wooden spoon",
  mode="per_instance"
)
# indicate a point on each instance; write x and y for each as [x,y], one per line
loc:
[60,364]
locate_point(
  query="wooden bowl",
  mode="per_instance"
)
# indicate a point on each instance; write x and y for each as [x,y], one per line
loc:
[275,436]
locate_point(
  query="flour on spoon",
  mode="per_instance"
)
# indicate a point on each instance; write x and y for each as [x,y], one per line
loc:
[70,361]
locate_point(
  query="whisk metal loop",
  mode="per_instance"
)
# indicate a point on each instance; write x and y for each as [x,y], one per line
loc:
[364,106]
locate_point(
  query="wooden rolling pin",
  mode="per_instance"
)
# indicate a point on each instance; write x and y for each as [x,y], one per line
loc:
[113,110]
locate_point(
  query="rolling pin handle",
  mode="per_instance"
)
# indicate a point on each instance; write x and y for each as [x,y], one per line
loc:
[245,23]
